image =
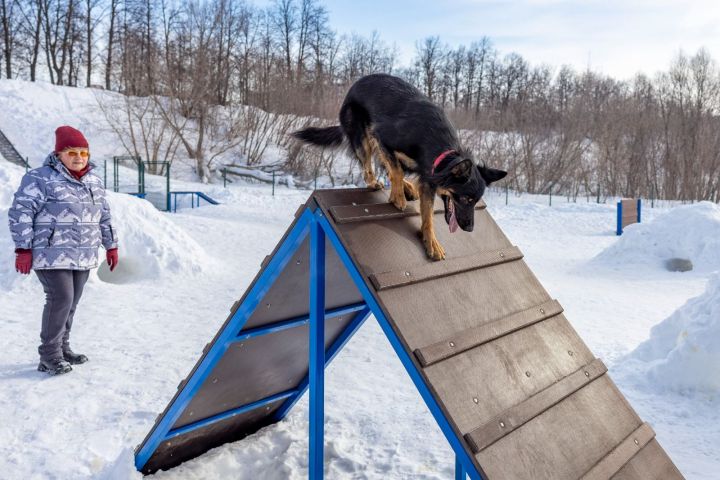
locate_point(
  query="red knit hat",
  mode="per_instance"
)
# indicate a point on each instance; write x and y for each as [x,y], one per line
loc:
[68,137]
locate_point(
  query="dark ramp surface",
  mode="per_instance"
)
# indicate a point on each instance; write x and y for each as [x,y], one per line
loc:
[522,392]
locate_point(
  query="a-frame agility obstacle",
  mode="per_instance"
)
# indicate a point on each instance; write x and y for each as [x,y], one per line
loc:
[512,386]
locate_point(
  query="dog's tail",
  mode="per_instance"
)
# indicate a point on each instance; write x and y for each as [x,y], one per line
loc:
[325,137]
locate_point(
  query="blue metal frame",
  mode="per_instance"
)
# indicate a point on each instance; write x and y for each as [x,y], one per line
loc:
[230,413]
[460,473]
[408,362]
[246,308]
[320,231]
[619,228]
[193,198]
[639,209]
[317,352]
[296,322]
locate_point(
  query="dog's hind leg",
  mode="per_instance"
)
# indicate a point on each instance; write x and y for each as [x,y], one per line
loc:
[427,212]
[365,154]
[395,172]
[355,123]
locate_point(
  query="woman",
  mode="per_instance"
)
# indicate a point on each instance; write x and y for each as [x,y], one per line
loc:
[58,219]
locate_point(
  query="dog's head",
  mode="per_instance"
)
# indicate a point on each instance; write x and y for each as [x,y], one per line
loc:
[461,184]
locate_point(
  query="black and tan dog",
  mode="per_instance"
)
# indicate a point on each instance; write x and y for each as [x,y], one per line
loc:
[388,117]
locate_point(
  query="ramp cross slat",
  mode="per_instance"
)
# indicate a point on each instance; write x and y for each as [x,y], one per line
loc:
[505,423]
[476,336]
[431,271]
[381,211]
[622,454]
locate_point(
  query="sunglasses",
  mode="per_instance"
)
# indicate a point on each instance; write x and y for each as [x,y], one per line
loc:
[77,153]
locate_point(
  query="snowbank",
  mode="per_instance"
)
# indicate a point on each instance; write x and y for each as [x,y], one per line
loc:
[683,351]
[690,231]
[150,244]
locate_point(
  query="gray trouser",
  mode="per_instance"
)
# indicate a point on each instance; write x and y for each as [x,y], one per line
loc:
[63,289]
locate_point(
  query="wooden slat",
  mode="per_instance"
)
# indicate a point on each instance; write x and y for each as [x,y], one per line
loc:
[508,421]
[613,462]
[381,211]
[451,266]
[476,336]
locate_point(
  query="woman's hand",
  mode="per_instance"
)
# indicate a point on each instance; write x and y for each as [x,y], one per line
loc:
[23,260]
[112,258]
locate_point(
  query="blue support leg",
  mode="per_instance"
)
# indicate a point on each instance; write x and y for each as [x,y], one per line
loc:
[460,473]
[619,228]
[317,351]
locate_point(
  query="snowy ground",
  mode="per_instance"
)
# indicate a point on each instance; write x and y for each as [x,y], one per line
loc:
[144,328]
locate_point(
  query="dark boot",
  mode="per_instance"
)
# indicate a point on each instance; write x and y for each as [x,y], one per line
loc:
[55,366]
[74,358]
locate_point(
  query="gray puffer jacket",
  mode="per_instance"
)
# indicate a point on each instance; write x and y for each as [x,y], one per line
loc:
[62,219]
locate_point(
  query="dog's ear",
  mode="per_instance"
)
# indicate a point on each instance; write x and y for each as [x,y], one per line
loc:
[462,169]
[491,175]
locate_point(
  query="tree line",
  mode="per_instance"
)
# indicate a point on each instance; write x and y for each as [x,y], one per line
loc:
[555,129]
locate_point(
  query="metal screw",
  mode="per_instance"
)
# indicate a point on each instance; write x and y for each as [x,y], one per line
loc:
[267,305]
[502,424]
[502,255]
[367,211]
[570,352]
[527,374]
[354,204]
[636,442]
[191,414]
[452,344]
[542,310]
[267,408]
[407,274]
[298,262]
[587,374]
[475,399]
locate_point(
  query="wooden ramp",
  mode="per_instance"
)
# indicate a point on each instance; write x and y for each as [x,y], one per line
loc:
[512,386]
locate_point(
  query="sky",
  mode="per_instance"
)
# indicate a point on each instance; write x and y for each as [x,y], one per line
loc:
[615,37]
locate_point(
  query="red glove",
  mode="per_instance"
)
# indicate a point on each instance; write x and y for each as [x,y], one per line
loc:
[23,260]
[112,258]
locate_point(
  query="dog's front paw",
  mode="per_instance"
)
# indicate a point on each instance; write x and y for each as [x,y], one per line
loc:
[410,191]
[434,250]
[398,199]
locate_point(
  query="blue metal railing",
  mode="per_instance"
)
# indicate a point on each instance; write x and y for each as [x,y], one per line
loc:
[195,198]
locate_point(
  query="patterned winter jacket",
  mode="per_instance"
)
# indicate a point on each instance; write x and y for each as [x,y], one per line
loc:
[62,219]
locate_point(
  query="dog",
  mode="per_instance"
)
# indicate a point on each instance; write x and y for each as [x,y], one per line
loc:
[385,116]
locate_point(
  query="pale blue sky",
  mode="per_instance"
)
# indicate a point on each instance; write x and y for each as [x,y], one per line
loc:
[617,37]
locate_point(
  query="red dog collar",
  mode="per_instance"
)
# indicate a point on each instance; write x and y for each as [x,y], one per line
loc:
[439,159]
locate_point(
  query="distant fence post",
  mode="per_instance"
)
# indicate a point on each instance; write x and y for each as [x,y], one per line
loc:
[27,164]
[550,197]
[224,175]
[507,190]
[273,183]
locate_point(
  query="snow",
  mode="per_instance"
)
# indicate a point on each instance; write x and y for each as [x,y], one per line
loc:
[689,231]
[683,351]
[144,326]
